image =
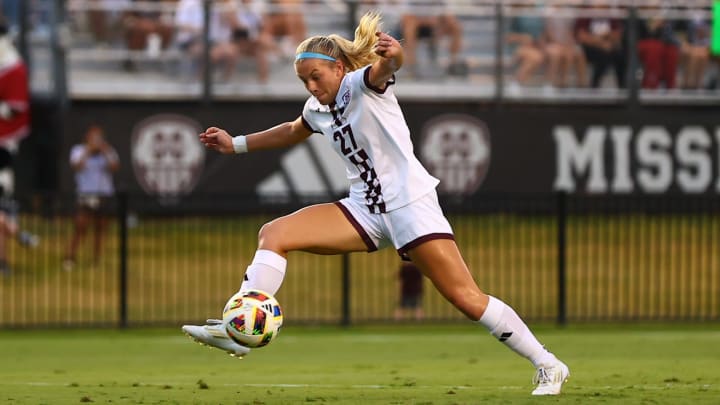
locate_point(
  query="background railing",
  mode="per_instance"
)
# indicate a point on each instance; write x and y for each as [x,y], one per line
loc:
[554,258]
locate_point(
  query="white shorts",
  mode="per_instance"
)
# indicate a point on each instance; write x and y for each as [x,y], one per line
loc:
[405,228]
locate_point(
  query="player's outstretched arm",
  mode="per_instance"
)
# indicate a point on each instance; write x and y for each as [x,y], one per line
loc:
[279,136]
[391,59]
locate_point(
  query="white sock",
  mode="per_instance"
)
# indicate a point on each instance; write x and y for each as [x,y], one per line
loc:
[507,327]
[265,273]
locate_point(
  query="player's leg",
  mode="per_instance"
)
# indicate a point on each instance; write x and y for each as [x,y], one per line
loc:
[320,229]
[441,261]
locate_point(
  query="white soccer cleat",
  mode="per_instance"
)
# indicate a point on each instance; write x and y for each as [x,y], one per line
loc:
[550,379]
[213,334]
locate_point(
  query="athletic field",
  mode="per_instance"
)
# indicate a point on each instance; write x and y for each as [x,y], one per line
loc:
[404,364]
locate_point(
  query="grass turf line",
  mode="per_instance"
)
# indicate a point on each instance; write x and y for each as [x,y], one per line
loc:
[414,364]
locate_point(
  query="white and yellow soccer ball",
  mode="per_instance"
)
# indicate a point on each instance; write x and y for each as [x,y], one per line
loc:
[252,318]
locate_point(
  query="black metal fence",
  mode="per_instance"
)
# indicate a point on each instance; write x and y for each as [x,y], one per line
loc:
[553,257]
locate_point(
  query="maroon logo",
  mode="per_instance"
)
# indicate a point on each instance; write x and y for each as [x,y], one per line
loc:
[456,149]
[167,156]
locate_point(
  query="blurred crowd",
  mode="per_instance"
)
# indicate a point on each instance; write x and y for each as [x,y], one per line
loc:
[552,44]
[236,29]
[577,46]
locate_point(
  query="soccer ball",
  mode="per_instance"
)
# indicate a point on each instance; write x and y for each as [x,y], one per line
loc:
[252,318]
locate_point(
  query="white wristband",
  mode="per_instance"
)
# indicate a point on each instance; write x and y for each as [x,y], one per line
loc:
[239,144]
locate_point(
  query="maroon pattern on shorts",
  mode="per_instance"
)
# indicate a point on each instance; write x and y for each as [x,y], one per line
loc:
[360,230]
[419,241]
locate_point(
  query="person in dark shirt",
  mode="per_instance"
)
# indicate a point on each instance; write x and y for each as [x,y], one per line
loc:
[145,29]
[411,291]
[601,39]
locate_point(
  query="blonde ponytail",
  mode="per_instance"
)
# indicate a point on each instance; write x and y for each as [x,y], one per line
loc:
[355,54]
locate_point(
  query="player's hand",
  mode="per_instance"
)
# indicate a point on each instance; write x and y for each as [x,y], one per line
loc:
[217,139]
[387,46]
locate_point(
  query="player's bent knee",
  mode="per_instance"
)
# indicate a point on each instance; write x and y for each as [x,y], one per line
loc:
[271,235]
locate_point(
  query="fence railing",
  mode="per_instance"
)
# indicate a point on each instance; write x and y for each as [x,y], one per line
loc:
[554,258]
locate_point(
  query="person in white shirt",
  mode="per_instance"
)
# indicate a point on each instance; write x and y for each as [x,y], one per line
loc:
[94,162]
[392,197]
[189,23]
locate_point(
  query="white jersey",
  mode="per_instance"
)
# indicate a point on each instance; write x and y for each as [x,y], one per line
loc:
[367,129]
[95,177]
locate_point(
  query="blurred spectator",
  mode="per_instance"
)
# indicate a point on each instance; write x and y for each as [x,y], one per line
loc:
[526,41]
[189,22]
[14,125]
[432,20]
[14,93]
[189,29]
[283,19]
[695,33]
[94,162]
[145,29]
[14,103]
[104,20]
[411,291]
[10,11]
[657,47]
[224,51]
[9,224]
[563,52]
[391,10]
[713,82]
[602,41]
[250,38]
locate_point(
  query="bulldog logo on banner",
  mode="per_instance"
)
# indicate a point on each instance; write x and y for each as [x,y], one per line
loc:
[456,149]
[167,157]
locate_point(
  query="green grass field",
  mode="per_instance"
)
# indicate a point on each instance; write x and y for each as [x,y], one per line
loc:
[409,364]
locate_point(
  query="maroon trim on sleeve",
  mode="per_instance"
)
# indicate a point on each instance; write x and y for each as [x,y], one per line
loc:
[360,230]
[366,79]
[306,124]
[419,241]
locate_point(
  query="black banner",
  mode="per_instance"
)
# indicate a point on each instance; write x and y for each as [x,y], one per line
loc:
[471,147]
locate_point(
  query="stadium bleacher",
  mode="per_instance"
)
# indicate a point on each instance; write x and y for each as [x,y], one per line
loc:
[96,71]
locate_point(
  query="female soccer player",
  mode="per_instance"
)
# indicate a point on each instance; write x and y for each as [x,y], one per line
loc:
[392,197]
